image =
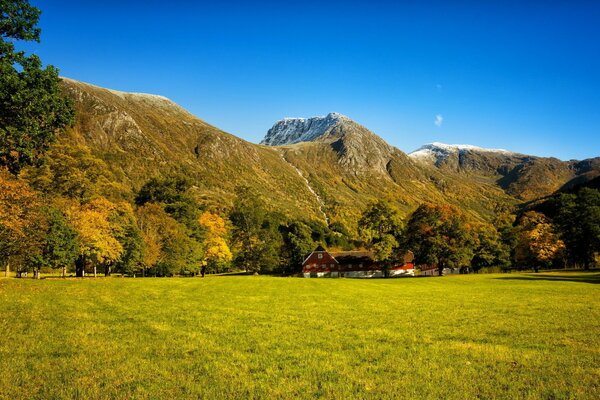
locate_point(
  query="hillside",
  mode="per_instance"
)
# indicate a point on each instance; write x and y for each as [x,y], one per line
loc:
[349,166]
[524,176]
[140,136]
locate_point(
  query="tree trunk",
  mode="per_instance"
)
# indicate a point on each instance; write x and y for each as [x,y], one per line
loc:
[80,267]
[64,271]
[107,270]
[7,270]
[95,271]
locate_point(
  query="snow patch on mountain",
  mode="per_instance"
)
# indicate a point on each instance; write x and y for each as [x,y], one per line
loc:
[295,130]
[438,152]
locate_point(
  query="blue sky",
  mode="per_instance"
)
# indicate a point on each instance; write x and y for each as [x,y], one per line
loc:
[524,76]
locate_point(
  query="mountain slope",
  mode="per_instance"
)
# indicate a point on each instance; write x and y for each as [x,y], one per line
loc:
[349,166]
[140,136]
[523,176]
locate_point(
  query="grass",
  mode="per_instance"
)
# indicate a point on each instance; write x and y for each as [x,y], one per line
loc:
[460,337]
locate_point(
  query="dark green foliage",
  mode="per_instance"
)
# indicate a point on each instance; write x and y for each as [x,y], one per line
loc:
[173,193]
[130,261]
[297,245]
[256,237]
[32,107]
[578,219]
[380,227]
[169,190]
[59,247]
[489,248]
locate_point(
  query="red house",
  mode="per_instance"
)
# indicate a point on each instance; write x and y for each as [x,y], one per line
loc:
[352,264]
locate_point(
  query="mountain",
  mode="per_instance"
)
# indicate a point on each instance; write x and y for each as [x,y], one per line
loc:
[524,176]
[140,136]
[326,169]
[349,166]
[294,130]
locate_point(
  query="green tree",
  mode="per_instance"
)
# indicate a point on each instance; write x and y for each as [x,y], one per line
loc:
[439,235]
[60,243]
[297,245]
[32,107]
[577,217]
[256,238]
[379,227]
[489,248]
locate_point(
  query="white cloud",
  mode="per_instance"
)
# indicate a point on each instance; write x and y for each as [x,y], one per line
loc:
[439,120]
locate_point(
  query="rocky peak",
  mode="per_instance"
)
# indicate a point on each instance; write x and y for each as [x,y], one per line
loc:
[295,130]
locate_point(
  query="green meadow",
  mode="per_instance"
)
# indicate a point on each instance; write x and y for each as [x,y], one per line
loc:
[510,336]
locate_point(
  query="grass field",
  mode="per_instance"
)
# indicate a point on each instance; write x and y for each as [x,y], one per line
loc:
[509,336]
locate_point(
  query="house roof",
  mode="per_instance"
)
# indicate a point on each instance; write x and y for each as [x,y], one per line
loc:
[353,257]
[320,248]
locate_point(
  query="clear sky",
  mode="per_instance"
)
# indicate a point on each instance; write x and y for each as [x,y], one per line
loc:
[519,75]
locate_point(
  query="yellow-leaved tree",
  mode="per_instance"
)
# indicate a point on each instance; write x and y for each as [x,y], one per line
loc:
[21,222]
[217,254]
[537,242]
[98,237]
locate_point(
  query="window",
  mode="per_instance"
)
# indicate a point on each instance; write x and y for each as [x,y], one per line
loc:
[320,255]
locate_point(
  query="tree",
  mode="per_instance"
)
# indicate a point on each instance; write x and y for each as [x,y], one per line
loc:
[60,243]
[255,234]
[217,254]
[168,248]
[32,107]
[380,227]
[297,245]
[489,249]
[438,235]
[130,237]
[577,217]
[21,222]
[537,242]
[99,244]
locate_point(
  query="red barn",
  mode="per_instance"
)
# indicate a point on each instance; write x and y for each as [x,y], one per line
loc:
[321,263]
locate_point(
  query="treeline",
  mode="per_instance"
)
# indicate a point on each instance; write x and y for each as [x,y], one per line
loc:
[56,217]
[560,232]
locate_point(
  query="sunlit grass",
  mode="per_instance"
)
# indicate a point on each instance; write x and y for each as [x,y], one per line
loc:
[463,337]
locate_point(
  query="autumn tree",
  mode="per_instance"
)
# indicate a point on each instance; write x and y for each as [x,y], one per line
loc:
[379,227]
[21,222]
[32,107]
[439,235]
[537,242]
[98,240]
[168,248]
[217,254]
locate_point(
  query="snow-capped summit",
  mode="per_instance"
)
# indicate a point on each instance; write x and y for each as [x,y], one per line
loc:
[294,130]
[438,152]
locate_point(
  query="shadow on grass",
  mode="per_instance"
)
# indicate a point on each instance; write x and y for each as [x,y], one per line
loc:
[582,278]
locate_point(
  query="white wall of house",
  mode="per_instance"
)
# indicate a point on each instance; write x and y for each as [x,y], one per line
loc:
[402,272]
